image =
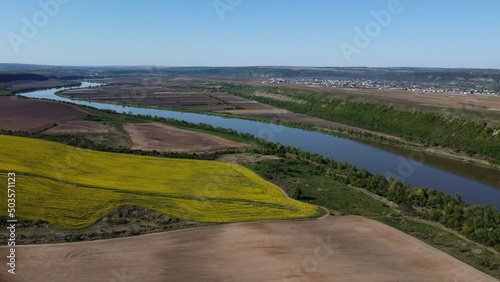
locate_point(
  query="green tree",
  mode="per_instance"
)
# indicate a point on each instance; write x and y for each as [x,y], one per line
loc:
[296,193]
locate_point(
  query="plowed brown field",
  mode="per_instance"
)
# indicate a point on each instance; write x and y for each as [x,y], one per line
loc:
[34,115]
[164,138]
[334,249]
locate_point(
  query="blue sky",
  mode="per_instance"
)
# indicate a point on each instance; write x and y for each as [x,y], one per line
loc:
[419,33]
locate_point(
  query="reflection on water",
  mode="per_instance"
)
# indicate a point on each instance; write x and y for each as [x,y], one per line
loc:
[477,185]
[484,175]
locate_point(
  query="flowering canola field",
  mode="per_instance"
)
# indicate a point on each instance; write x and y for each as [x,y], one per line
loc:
[73,188]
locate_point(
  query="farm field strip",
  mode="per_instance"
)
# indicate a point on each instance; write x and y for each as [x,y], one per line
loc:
[164,138]
[168,94]
[203,191]
[340,248]
[34,115]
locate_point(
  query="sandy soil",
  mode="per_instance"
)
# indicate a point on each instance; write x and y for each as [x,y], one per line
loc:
[80,126]
[333,249]
[34,115]
[164,138]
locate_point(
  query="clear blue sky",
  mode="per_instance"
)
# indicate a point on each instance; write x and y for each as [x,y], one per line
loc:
[425,33]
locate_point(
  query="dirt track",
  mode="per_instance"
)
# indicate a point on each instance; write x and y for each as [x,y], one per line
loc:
[34,115]
[333,249]
[164,138]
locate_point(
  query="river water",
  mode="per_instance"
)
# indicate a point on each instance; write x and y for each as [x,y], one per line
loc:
[477,185]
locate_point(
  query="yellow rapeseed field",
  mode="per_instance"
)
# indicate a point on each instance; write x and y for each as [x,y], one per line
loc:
[73,188]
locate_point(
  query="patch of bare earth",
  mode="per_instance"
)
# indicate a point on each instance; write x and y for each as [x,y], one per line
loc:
[244,158]
[334,249]
[34,115]
[164,138]
[79,126]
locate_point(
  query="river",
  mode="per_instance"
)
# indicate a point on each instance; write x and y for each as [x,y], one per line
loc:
[477,185]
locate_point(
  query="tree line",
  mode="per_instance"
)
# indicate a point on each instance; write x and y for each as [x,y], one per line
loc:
[430,129]
[479,223]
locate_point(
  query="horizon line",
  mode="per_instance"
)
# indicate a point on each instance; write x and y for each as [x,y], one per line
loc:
[251,66]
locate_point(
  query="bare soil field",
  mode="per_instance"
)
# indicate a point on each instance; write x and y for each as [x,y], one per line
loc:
[333,249]
[34,115]
[164,138]
[79,126]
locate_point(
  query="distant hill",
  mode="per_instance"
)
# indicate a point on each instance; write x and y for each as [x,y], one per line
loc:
[11,77]
[469,78]
[21,66]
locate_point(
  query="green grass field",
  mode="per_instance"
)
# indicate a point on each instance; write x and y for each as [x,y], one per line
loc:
[321,190]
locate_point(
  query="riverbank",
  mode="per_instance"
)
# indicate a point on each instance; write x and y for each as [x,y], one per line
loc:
[326,186]
[362,154]
[319,125]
